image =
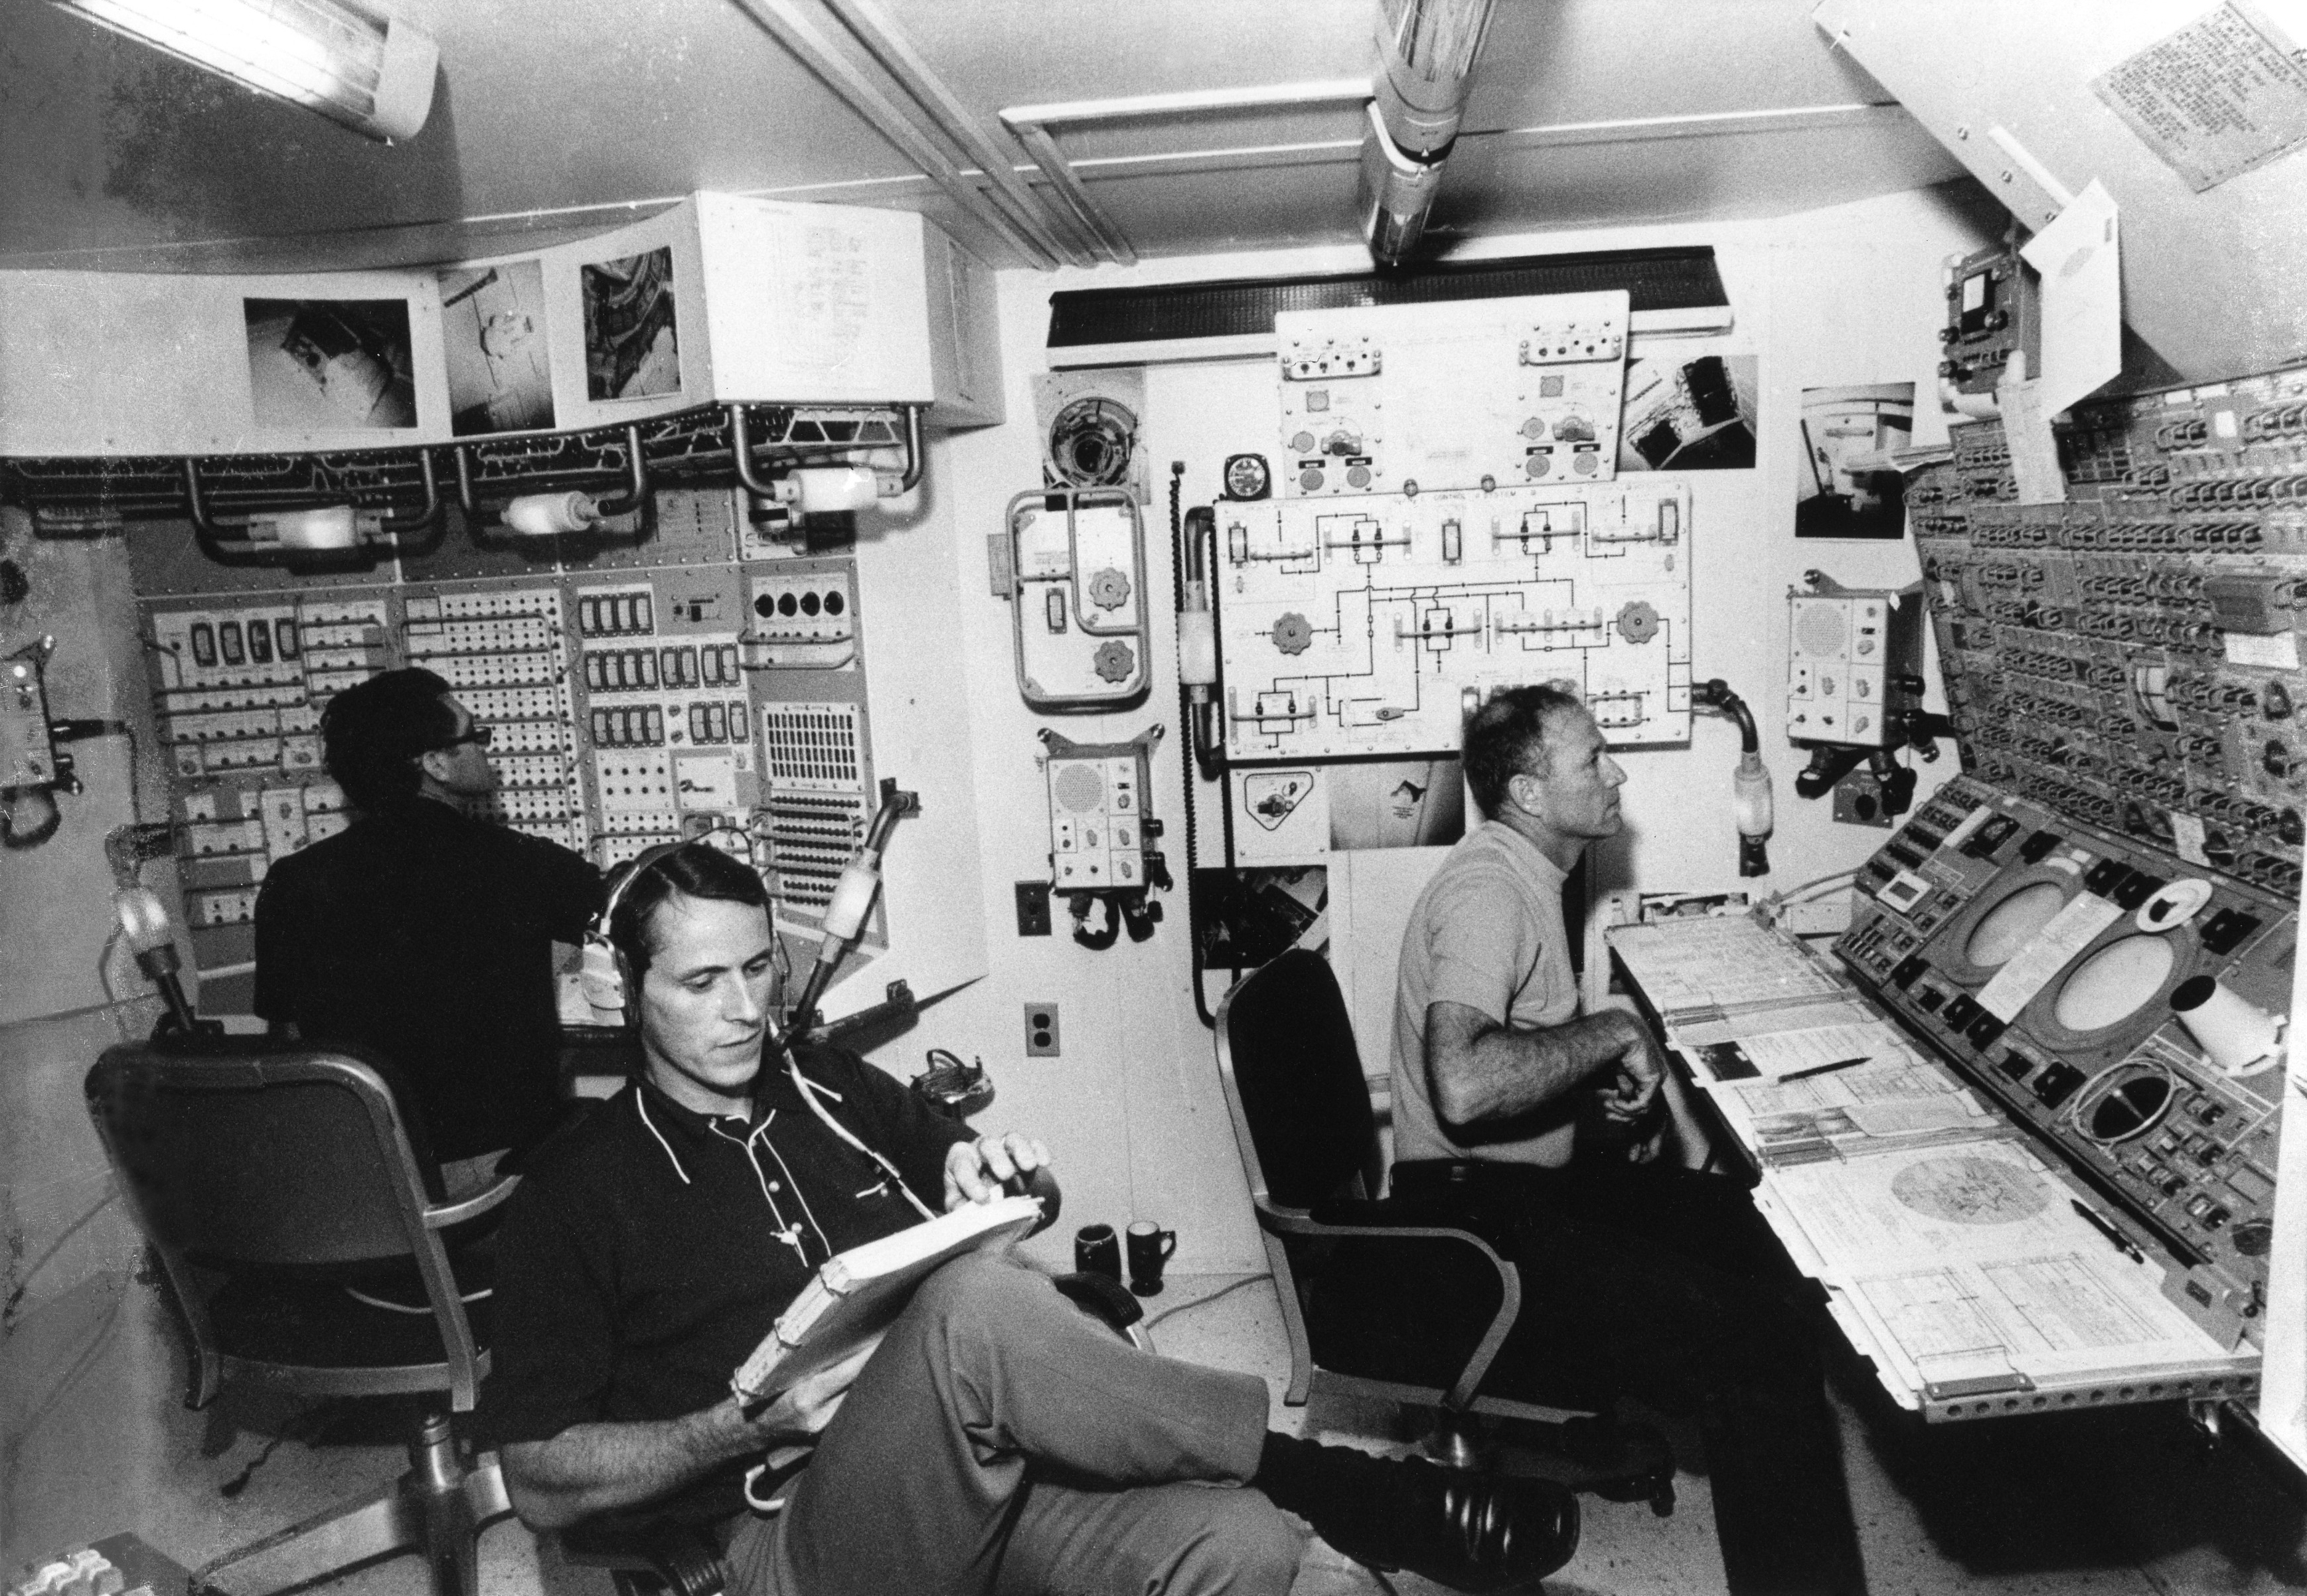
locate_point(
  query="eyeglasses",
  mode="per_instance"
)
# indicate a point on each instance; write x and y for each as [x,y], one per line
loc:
[476,732]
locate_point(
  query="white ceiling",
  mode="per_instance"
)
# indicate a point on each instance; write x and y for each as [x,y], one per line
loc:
[556,117]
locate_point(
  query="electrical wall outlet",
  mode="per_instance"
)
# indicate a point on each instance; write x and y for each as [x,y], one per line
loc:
[1041,1030]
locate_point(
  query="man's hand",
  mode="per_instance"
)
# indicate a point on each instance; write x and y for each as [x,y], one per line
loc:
[975,1171]
[804,1409]
[1636,1075]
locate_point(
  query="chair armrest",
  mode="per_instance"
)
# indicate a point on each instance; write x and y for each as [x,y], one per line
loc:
[440,1216]
[1436,1213]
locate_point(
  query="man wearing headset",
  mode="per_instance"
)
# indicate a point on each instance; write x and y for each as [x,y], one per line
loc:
[995,1439]
[424,933]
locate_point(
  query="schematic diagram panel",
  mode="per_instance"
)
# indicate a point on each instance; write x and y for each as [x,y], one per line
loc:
[627,705]
[1481,394]
[1367,626]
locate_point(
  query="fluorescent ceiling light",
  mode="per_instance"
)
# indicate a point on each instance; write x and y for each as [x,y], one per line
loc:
[350,60]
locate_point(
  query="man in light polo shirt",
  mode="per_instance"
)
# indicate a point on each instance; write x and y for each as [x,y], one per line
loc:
[1638,1279]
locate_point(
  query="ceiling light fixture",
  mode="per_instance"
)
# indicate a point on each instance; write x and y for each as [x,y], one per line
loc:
[353,61]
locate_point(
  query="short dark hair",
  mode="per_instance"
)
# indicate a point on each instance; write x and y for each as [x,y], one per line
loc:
[693,870]
[372,734]
[1506,735]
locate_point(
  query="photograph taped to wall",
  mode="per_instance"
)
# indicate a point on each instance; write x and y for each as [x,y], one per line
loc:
[633,343]
[493,333]
[331,365]
[1246,917]
[1404,804]
[1689,409]
[1847,487]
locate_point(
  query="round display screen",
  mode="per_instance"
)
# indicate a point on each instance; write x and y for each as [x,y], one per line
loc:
[2113,984]
[2011,924]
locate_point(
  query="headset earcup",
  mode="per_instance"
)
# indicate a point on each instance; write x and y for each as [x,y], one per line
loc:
[601,977]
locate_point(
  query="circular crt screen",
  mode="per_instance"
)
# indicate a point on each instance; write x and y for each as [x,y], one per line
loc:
[2113,984]
[2011,924]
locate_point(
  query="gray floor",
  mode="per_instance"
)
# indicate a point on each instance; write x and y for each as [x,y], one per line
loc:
[2074,1505]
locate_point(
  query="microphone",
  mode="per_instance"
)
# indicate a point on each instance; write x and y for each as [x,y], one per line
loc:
[144,925]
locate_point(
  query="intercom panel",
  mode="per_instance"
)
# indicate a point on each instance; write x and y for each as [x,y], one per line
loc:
[1367,626]
[1854,666]
[1477,394]
[2127,1006]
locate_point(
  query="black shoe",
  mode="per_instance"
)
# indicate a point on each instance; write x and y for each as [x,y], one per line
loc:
[1468,1530]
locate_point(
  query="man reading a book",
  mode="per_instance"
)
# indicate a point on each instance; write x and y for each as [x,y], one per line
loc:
[994,1439]
[1660,1282]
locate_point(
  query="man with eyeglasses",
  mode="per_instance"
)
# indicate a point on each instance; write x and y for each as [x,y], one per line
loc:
[422,933]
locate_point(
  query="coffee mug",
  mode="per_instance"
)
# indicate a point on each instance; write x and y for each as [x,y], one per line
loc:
[1098,1251]
[1150,1246]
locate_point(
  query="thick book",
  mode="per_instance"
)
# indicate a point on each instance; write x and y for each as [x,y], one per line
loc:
[855,1294]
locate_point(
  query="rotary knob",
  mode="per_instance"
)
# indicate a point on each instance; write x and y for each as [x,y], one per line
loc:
[1109,589]
[1292,634]
[1114,662]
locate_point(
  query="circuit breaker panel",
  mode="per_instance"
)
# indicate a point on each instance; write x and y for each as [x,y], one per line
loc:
[687,687]
[1447,524]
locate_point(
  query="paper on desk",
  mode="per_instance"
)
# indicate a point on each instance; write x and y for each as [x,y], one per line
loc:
[1983,1201]
[2061,1314]
[1690,963]
[2079,257]
[1849,1111]
[1738,1050]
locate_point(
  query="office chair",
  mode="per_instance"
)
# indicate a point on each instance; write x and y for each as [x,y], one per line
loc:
[1410,1299]
[267,1180]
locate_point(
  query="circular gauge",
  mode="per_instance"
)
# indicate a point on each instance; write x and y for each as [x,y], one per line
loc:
[2113,984]
[2009,925]
[1247,477]
[2129,1105]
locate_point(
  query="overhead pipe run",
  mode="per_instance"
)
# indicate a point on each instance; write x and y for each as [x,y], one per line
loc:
[315,531]
[1426,50]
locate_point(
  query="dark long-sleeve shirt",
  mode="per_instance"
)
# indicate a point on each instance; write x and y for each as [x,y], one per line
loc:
[426,937]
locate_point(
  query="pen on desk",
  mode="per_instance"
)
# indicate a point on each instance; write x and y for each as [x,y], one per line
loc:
[2107,1227]
[1801,1075]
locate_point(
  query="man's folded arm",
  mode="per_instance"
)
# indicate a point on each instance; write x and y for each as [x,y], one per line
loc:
[1481,1071]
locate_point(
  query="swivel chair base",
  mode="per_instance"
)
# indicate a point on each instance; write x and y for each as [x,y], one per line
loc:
[438,1508]
[1618,1461]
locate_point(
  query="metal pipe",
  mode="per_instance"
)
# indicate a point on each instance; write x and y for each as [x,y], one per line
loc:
[429,518]
[636,494]
[1060,171]
[1426,50]
[1190,103]
[209,534]
[465,499]
[781,21]
[914,460]
[880,33]
[741,447]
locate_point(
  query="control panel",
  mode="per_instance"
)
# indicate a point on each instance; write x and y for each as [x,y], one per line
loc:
[2125,1006]
[2129,656]
[1482,393]
[629,704]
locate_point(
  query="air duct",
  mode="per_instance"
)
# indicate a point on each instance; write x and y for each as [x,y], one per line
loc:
[1426,51]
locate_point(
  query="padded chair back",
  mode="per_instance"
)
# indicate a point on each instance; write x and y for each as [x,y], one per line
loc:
[259,1158]
[1294,1081]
